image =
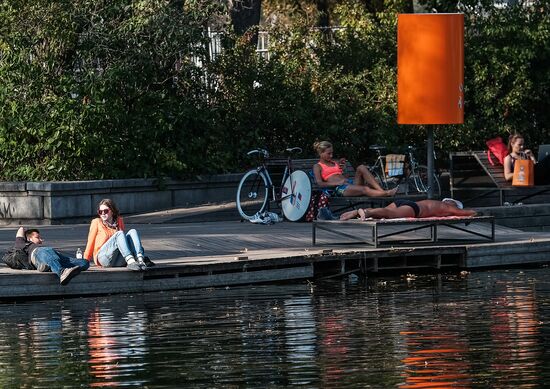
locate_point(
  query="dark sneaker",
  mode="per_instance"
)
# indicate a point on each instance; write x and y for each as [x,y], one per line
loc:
[145,262]
[142,265]
[68,273]
[325,214]
[134,266]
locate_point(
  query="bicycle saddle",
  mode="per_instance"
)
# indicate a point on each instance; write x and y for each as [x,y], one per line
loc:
[377,147]
[294,150]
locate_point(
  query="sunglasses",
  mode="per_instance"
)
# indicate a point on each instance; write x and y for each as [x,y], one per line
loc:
[103,211]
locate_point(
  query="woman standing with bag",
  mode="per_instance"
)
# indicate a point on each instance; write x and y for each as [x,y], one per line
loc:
[109,245]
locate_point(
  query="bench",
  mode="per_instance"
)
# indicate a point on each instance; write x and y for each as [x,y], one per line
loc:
[472,175]
[376,237]
[277,166]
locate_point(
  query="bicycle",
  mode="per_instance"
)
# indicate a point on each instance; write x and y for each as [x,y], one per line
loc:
[256,186]
[414,176]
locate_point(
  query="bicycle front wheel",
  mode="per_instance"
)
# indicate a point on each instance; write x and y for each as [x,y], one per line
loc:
[421,181]
[252,194]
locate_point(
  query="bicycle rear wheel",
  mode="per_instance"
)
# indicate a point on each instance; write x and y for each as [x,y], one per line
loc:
[295,196]
[421,181]
[252,194]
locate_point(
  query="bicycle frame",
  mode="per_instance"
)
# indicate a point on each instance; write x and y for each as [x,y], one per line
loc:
[378,169]
[271,188]
[411,174]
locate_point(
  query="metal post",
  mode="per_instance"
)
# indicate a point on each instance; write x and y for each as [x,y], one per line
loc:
[430,162]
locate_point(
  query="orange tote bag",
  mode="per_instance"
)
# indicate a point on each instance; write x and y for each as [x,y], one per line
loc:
[524,173]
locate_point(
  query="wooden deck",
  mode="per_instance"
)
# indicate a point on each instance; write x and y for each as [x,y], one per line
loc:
[225,253]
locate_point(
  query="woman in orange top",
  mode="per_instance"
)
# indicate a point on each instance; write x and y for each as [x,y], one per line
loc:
[109,245]
[330,174]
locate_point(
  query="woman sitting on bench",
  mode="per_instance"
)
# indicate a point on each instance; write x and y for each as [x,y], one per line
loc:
[329,174]
[516,151]
[407,208]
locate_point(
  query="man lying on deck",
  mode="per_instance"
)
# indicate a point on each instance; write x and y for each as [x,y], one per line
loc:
[45,258]
[404,208]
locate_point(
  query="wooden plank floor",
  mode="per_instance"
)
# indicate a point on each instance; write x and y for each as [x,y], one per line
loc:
[232,252]
[185,243]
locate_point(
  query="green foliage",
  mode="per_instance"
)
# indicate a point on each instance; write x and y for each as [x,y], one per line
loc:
[99,89]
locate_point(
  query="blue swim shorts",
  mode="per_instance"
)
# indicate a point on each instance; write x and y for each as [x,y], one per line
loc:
[340,189]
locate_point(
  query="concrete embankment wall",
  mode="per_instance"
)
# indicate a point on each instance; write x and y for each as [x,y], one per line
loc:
[76,201]
[526,217]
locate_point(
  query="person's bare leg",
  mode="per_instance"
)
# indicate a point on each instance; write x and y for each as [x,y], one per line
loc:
[359,190]
[356,213]
[364,177]
[391,212]
[349,215]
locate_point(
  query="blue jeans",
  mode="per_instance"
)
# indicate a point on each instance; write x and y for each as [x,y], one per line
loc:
[118,247]
[46,259]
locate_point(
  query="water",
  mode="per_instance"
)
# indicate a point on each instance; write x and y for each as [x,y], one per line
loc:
[484,329]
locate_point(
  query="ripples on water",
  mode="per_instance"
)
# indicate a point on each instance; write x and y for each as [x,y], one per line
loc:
[486,329]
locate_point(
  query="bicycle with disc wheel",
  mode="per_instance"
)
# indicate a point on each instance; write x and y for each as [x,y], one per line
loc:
[256,189]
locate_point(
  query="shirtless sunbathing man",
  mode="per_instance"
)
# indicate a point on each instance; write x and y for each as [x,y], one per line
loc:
[407,208]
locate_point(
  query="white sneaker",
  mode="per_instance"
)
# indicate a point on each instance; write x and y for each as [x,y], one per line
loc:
[258,218]
[273,216]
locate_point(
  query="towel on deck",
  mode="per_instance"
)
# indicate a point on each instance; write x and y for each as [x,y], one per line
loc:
[395,164]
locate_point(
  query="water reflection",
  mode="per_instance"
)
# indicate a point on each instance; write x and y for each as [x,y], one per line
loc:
[515,336]
[486,330]
[117,346]
[437,359]
[300,340]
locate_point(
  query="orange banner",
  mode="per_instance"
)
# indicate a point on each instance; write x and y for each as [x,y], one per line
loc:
[430,69]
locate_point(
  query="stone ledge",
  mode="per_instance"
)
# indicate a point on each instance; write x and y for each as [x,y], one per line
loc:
[56,202]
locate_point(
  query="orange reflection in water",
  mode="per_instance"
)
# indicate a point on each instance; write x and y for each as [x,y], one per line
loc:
[332,350]
[102,348]
[437,362]
[514,331]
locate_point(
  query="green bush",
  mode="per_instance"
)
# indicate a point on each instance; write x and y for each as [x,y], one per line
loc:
[100,89]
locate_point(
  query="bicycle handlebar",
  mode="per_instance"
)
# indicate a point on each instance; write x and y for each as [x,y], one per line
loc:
[294,149]
[262,152]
